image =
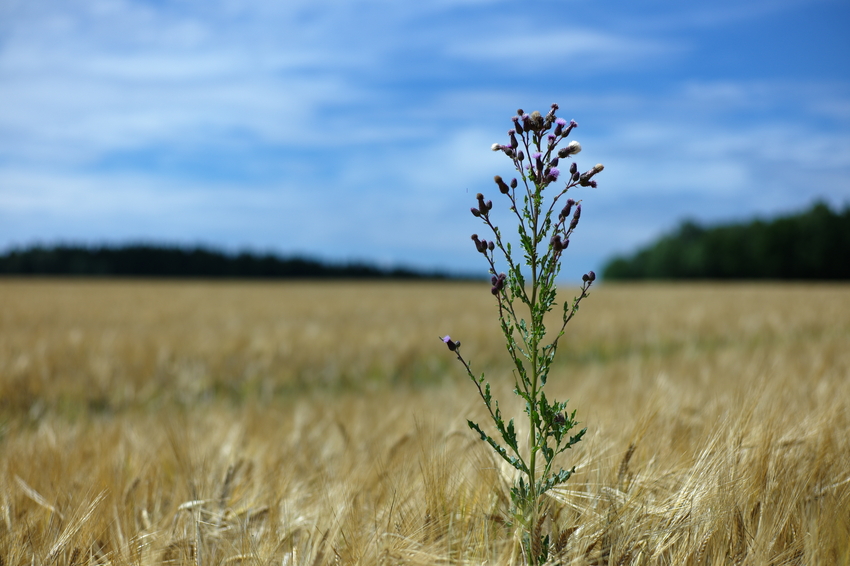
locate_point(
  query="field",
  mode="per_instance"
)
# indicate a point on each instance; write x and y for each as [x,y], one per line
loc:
[324,423]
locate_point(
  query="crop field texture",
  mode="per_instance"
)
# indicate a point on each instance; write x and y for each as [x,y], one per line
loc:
[320,423]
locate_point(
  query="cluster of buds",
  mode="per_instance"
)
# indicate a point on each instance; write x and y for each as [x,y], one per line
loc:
[559,241]
[566,210]
[483,207]
[503,187]
[589,277]
[533,146]
[498,282]
[542,169]
[483,246]
[559,244]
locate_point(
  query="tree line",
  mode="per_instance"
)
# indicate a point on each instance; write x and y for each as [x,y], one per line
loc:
[164,261]
[814,244]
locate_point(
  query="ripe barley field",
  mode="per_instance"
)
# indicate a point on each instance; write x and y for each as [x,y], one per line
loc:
[319,423]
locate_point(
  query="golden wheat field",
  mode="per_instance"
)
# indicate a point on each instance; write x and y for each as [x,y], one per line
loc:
[319,423]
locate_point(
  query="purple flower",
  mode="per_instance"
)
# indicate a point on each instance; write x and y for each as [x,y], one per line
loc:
[559,126]
[451,344]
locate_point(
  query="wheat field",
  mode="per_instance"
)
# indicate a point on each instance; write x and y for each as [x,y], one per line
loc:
[319,423]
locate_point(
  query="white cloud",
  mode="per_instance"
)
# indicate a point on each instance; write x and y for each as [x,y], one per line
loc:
[581,50]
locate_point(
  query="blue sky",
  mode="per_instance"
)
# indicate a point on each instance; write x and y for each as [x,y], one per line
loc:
[349,129]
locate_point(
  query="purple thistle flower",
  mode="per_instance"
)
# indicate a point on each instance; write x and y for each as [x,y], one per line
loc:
[538,162]
[559,126]
[450,343]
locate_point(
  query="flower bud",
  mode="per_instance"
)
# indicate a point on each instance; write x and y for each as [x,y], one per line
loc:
[491,246]
[536,121]
[556,243]
[498,283]
[574,168]
[503,188]
[475,212]
[520,155]
[513,183]
[576,216]
[489,205]
[591,276]
[450,343]
[526,121]
[550,117]
[568,207]
[553,163]
[514,142]
[584,180]
[520,112]
[585,277]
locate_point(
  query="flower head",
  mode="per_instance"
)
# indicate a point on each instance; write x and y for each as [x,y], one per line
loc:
[570,149]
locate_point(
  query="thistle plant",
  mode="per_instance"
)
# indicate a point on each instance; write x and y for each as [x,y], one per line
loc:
[525,293]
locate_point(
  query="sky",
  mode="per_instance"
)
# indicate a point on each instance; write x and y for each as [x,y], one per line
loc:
[361,129]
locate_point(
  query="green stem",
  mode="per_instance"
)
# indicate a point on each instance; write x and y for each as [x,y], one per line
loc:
[531,511]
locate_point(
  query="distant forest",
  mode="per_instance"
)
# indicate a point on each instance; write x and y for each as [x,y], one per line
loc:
[158,261]
[814,244]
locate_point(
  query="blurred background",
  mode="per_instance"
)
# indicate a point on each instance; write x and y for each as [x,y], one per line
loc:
[360,130]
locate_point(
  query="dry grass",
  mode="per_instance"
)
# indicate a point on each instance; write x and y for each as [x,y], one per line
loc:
[323,423]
